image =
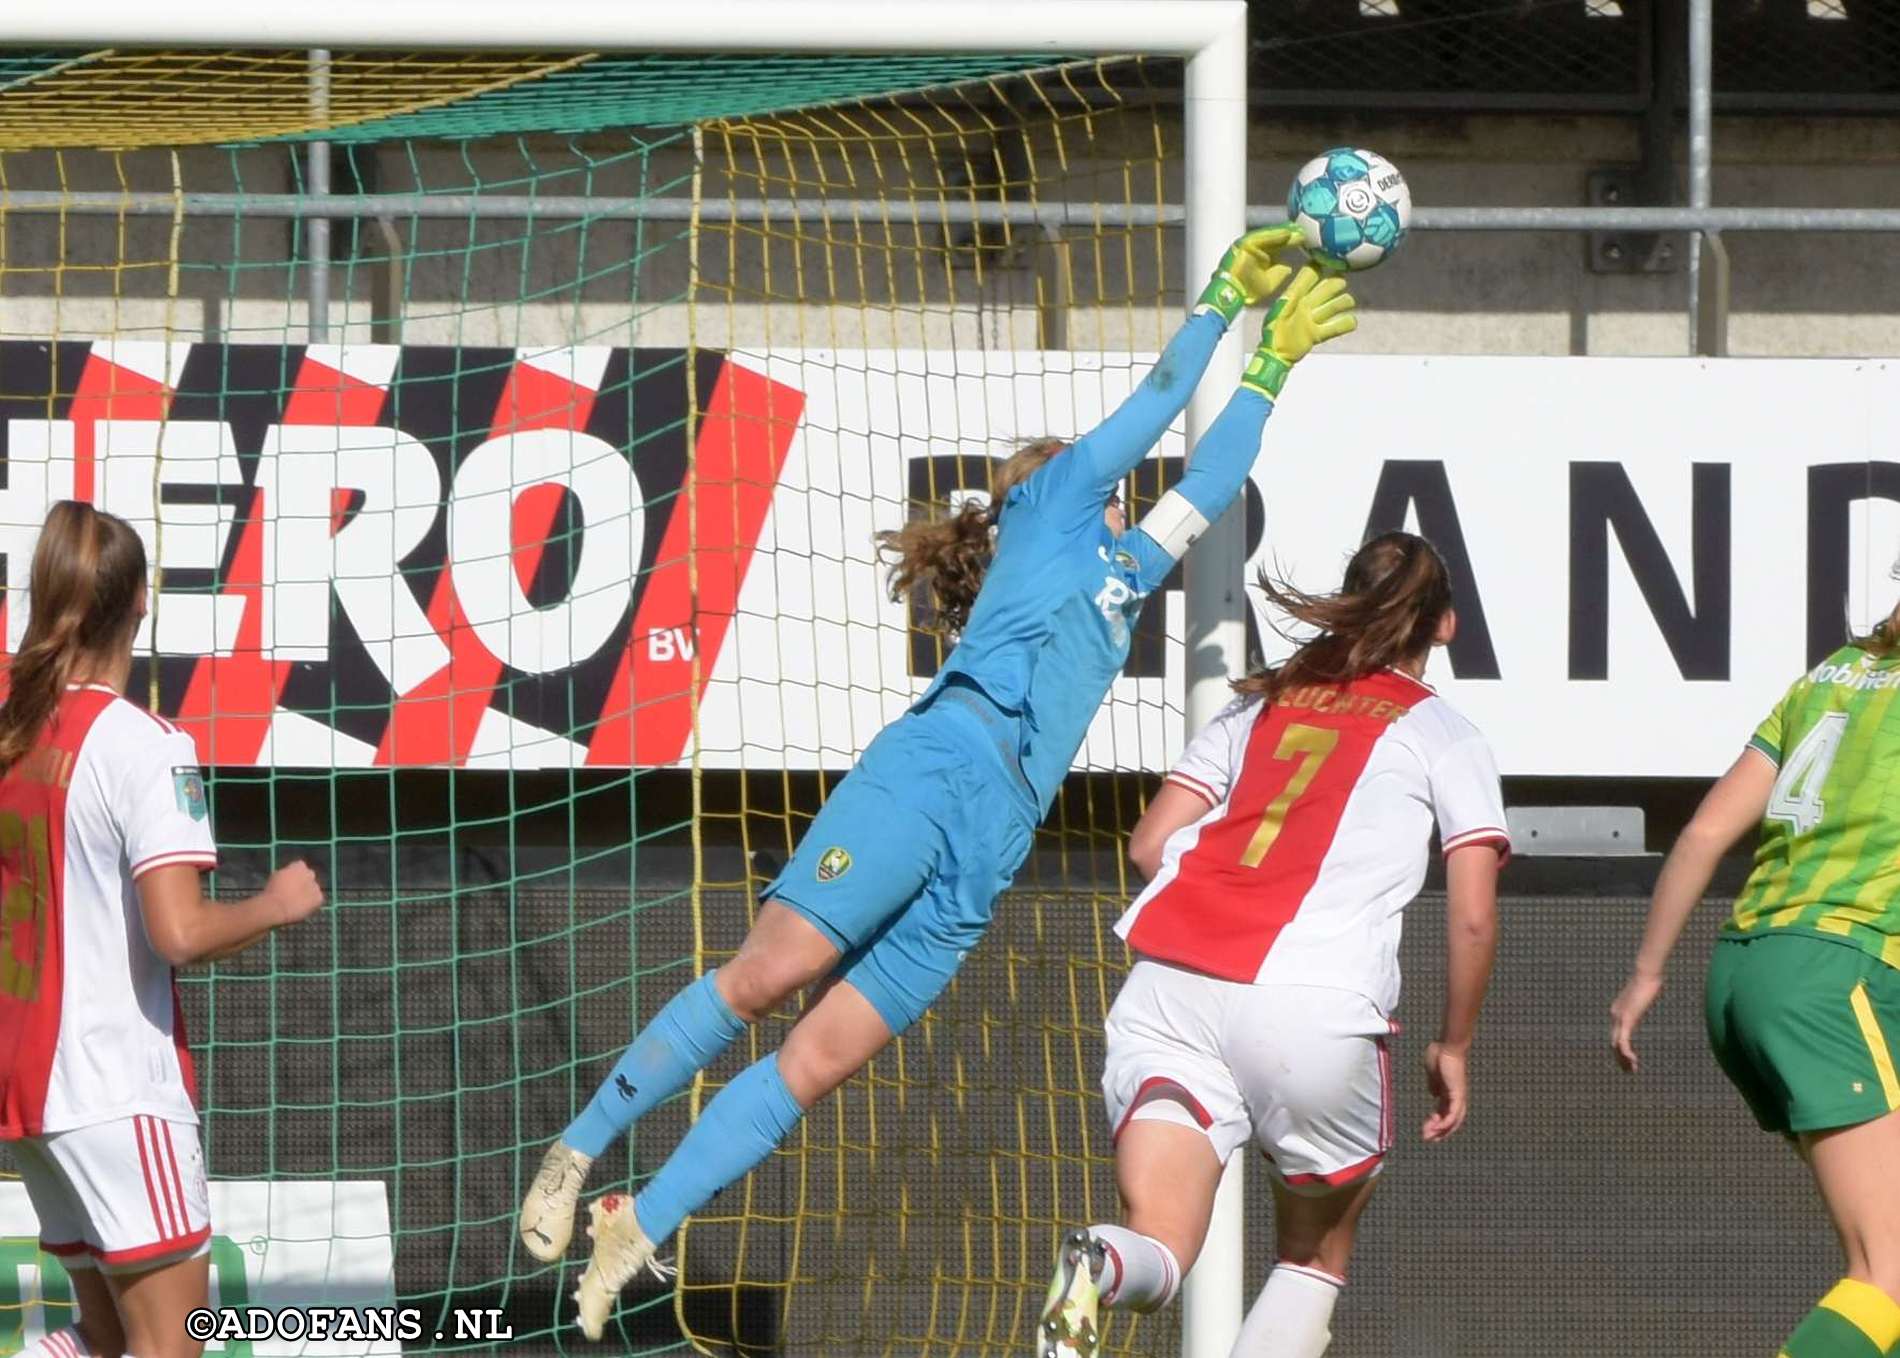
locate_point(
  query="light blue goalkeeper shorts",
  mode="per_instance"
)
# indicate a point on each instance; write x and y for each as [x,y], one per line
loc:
[903,864]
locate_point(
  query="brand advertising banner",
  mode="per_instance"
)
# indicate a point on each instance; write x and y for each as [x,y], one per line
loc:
[485,558]
[309,1247]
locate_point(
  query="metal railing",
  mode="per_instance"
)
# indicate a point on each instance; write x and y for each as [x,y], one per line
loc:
[1706,300]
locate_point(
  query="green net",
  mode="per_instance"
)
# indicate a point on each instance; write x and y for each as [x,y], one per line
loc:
[533,601]
[615,91]
[17,67]
[178,98]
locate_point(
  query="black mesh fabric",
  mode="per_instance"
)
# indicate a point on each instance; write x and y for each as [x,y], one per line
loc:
[1582,1212]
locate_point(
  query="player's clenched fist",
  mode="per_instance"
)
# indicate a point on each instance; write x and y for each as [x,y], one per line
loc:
[295,890]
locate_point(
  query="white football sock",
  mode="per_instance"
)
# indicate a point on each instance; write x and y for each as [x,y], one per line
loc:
[1139,1273]
[1291,1319]
[66,1343]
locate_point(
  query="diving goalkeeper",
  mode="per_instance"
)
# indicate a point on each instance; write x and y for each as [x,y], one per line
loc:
[895,881]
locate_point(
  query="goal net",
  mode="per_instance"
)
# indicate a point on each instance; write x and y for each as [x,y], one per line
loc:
[512,535]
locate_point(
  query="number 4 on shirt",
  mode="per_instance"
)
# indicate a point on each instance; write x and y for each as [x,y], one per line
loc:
[1797,795]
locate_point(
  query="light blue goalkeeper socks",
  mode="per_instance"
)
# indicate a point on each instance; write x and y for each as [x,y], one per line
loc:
[741,1126]
[689,1034]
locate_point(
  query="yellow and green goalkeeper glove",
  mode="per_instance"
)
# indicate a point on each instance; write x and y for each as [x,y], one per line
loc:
[1315,308]
[1248,274]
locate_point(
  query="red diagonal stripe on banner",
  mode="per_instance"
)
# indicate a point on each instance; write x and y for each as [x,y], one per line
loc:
[528,526]
[106,391]
[436,721]
[231,698]
[323,395]
[743,441]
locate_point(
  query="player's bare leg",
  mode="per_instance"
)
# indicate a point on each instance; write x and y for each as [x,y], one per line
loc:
[782,953]
[834,1039]
[1314,1235]
[838,1034]
[1317,1230]
[1167,1173]
[96,1330]
[153,1303]
[1854,1168]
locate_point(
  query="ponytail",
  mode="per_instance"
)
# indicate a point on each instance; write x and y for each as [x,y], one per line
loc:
[88,573]
[947,559]
[1884,639]
[1387,611]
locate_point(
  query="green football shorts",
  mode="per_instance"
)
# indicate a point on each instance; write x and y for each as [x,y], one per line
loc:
[1806,1029]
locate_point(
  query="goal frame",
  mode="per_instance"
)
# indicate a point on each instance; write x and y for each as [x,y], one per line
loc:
[1211,35]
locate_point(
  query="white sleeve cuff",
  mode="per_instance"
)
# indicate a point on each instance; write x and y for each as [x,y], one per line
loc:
[1174,523]
[1194,785]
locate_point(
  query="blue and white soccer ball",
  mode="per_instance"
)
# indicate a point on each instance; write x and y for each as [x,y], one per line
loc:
[1351,205]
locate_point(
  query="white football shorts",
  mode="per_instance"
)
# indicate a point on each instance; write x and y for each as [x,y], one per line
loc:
[123,1196]
[1304,1071]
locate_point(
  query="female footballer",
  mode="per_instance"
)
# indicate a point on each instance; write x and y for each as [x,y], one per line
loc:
[1803,994]
[1280,853]
[103,836]
[896,878]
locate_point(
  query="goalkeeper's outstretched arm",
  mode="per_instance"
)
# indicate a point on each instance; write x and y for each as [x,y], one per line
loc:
[1084,476]
[1314,308]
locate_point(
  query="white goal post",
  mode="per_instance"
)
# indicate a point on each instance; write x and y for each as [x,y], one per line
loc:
[1210,34]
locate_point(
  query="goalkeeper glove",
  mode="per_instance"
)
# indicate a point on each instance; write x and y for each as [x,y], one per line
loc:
[1315,308]
[1247,274]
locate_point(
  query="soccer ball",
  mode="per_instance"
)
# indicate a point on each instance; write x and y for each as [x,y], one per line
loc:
[1351,205]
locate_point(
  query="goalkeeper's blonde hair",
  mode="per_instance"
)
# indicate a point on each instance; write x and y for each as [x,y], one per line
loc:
[948,558]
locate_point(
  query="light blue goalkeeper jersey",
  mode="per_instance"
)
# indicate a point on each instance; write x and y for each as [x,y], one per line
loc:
[1052,626]
[902,866]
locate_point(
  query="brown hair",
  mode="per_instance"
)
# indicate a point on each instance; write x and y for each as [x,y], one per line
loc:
[949,557]
[1884,639]
[1388,609]
[88,576]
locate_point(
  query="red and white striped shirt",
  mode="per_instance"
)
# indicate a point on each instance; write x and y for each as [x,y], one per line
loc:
[1320,818]
[90,1029]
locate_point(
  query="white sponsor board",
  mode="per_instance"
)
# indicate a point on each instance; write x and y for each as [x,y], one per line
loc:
[1650,547]
[1648,550]
[274,1246]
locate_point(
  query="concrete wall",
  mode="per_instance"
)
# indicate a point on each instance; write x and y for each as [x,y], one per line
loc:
[848,283]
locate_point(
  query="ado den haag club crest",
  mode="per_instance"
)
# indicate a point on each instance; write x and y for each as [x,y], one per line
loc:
[835,863]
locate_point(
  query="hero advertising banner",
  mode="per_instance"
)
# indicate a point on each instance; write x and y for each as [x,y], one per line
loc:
[491,558]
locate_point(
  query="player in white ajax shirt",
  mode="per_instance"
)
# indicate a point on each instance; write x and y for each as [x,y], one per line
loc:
[104,833]
[1280,854]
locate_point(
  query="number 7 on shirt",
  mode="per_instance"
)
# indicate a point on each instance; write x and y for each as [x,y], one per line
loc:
[24,841]
[1311,745]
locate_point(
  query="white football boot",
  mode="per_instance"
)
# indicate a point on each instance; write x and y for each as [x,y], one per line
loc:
[1068,1328]
[621,1249]
[547,1213]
